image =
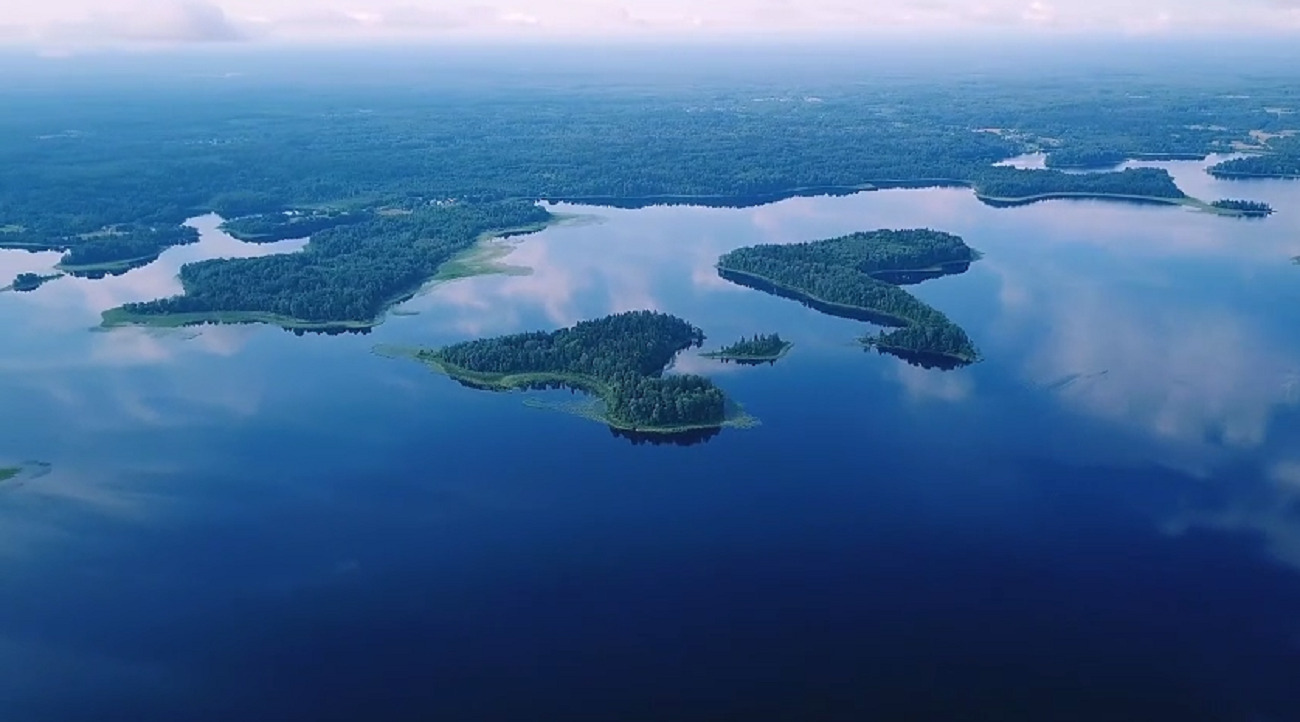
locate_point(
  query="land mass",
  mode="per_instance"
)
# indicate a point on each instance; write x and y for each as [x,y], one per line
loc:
[1254,209]
[345,278]
[846,276]
[9,473]
[767,348]
[25,282]
[620,359]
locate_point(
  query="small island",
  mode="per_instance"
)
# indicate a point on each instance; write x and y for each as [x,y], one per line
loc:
[767,348]
[850,277]
[25,282]
[1252,209]
[620,359]
[7,474]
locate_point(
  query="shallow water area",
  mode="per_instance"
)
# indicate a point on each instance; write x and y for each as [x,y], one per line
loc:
[1100,520]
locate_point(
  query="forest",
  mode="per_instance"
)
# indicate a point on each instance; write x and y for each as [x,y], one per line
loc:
[620,358]
[1246,208]
[286,225]
[1279,158]
[347,275]
[759,348]
[125,245]
[836,276]
[138,157]
[25,282]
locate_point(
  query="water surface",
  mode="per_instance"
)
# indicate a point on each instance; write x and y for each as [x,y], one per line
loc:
[1099,521]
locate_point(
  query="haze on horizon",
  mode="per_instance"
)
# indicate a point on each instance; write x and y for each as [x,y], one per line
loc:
[71,25]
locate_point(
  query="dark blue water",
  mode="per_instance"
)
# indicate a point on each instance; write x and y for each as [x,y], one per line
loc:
[1101,521]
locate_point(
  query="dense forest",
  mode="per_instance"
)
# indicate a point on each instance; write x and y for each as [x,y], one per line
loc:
[757,348]
[31,281]
[621,358]
[1246,208]
[286,225]
[126,244]
[152,157]
[1278,157]
[1011,184]
[836,276]
[346,275]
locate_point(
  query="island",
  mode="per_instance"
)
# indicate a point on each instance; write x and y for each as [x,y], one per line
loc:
[845,277]
[7,474]
[288,225]
[1253,209]
[767,348]
[620,359]
[25,282]
[345,278]
[1006,187]
[121,248]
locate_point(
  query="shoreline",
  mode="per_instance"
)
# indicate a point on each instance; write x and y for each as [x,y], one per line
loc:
[523,380]
[119,317]
[747,358]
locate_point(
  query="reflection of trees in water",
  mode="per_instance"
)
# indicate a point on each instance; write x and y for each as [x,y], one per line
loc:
[924,360]
[360,331]
[681,438]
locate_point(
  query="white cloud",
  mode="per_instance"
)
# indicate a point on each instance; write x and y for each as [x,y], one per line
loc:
[190,21]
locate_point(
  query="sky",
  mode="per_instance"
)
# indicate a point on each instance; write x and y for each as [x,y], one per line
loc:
[53,24]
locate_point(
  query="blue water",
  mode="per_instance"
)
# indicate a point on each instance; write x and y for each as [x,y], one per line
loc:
[1101,521]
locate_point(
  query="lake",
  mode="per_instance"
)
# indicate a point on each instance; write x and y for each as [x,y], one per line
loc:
[1100,521]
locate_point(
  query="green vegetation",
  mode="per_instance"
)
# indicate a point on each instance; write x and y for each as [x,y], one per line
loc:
[845,276]
[124,246]
[31,281]
[1009,186]
[345,278]
[10,473]
[767,348]
[1245,208]
[619,358]
[1280,159]
[272,227]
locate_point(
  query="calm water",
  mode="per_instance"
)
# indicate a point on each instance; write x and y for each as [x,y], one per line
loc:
[1099,522]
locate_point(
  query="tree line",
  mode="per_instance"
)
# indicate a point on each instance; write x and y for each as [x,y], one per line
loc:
[625,354]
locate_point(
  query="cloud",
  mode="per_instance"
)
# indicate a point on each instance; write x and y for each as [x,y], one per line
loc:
[158,22]
[204,21]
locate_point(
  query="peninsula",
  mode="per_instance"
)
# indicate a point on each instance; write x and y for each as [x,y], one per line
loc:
[345,278]
[620,359]
[844,276]
[768,348]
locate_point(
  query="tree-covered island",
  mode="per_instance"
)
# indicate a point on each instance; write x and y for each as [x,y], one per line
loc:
[1254,209]
[24,282]
[757,349]
[9,473]
[346,276]
[620,359]
[843,277]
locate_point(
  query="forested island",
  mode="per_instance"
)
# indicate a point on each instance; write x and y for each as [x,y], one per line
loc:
[25,282]
[9,473]
[620,359]
[842,276]
[757,349]
[122,247]
[1244,208]
[346,276]
[287,225]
